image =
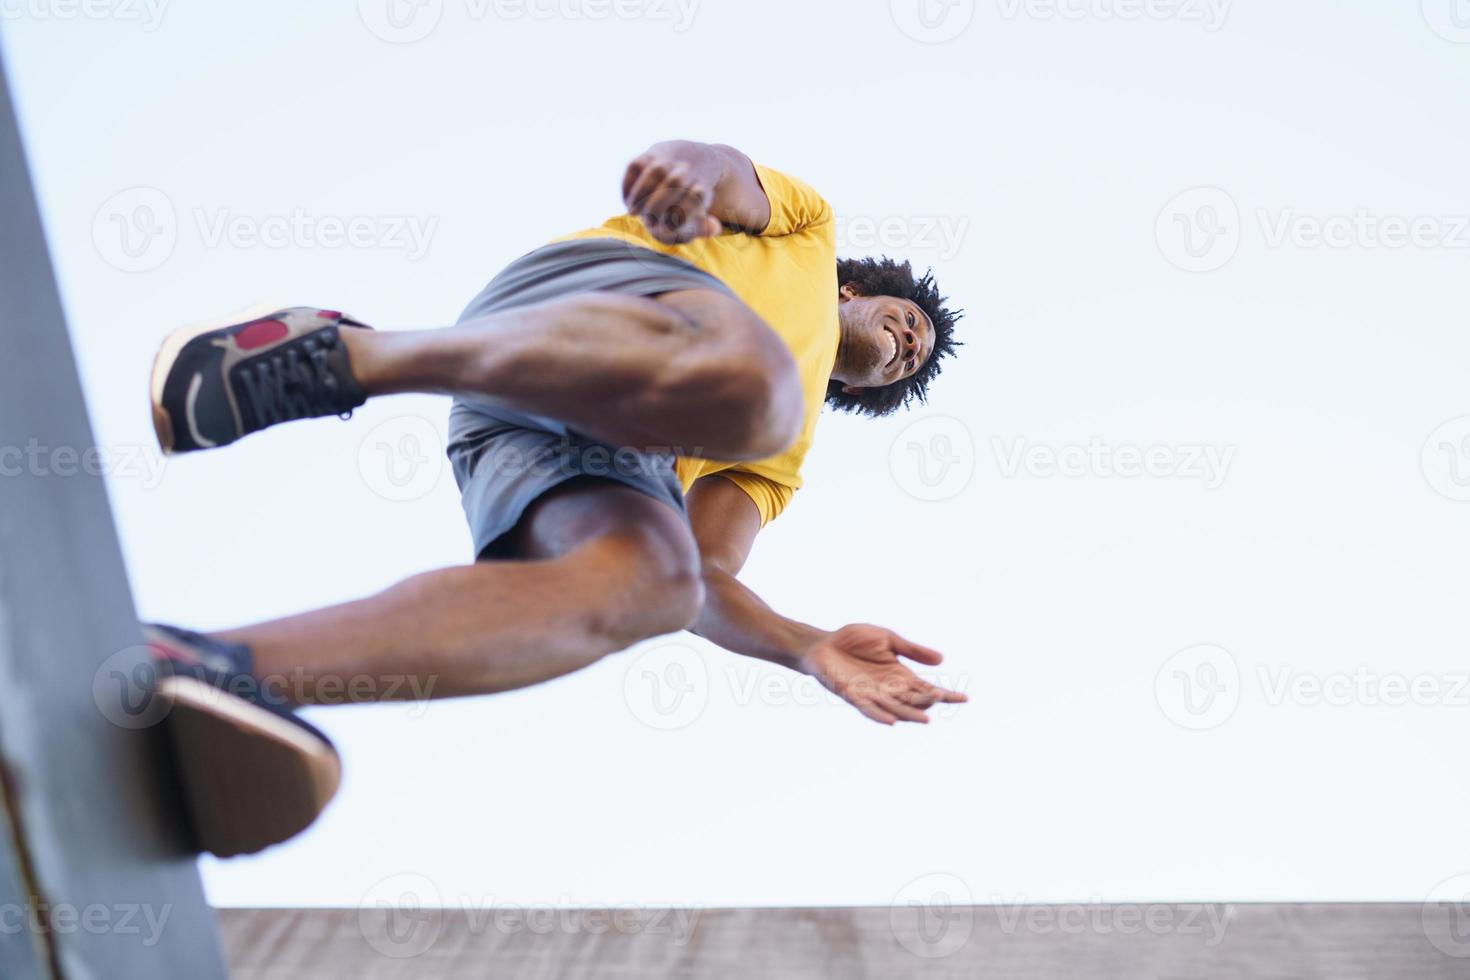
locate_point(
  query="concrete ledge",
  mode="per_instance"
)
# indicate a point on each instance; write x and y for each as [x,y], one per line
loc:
[1341,942]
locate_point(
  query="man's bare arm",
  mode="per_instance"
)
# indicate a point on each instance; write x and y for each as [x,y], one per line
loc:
[859,662]
[725,523]
[684,190]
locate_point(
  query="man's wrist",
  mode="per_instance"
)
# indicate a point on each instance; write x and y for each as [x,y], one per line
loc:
[802,640]
[704,159]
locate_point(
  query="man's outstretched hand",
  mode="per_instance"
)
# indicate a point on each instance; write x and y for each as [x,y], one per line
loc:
[861,665]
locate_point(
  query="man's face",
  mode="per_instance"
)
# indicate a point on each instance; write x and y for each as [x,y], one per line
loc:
[885,339]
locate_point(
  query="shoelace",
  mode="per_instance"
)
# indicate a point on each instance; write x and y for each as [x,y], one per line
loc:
[294,382]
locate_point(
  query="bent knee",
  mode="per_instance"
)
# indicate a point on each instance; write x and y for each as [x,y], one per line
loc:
[766,404]
[647,584]
[744,376]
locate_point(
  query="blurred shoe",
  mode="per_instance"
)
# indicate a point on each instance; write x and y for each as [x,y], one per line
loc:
[253,773]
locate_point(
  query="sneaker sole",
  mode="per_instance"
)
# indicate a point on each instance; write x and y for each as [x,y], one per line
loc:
[250,778]
[168,353]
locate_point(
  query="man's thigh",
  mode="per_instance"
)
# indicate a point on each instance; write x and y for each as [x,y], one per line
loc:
[587,508]
[724,319]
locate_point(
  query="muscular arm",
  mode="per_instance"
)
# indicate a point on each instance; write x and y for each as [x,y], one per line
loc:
[858,662]
[725,523]
[684,190]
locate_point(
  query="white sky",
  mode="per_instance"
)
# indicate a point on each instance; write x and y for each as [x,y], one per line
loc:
[1032,161]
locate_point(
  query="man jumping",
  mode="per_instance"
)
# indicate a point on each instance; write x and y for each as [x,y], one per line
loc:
[632,404]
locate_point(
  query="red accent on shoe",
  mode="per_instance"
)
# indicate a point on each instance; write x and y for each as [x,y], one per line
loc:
[329,314]
[161,652]
[260,333]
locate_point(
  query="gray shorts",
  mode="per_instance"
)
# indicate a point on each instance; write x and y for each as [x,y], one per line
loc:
[504,459]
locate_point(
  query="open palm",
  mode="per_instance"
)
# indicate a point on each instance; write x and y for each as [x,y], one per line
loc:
[861,664]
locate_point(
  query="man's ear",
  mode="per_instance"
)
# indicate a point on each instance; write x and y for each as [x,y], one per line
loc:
[847,291]
[853,390]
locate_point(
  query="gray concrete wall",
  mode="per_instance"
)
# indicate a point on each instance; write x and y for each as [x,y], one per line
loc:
[99,820]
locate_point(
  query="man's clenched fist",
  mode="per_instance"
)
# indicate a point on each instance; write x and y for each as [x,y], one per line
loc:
[672,193]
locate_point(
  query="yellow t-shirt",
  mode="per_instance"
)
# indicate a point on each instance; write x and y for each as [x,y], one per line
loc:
[788,275]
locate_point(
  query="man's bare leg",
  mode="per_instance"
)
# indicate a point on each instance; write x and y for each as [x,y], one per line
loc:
[607,566]
[693,369]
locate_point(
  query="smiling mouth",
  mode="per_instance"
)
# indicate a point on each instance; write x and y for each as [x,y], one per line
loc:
[893,343]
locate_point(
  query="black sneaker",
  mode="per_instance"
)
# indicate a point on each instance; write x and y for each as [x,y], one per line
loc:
[253,773]
[213,384]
